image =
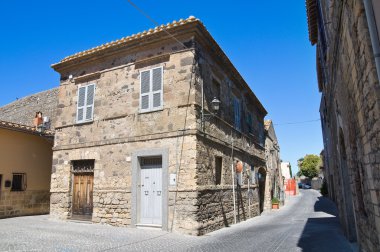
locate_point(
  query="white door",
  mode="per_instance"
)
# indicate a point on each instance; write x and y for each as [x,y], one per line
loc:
[151,191]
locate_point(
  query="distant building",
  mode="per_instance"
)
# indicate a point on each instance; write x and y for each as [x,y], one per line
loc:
[286,170]
[274,181]
[346,34]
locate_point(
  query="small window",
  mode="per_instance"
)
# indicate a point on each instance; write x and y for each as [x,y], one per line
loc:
[18,182]
[237,113]
[249,122]
[216,88]
[151,96]
[218,170]
[85,106]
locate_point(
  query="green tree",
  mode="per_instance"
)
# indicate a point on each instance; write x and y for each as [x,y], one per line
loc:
[309,165]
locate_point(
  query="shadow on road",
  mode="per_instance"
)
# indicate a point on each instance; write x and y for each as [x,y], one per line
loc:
[325,205]
[324,233]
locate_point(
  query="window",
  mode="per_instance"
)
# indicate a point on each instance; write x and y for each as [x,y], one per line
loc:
[151,89]
[249,122]
[376,11]
[216,88]
[261,134]
[85,108]
[237,113]
[18,182]
[218,170]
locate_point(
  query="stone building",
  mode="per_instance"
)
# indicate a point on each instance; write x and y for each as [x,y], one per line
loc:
[139,140]
[348,67]
[274,181]
[25,170]
[286,170]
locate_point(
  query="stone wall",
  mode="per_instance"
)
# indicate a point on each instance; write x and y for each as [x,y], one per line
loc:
[350,114]
[275,186]
[24,109]
[119,130]
[23,203]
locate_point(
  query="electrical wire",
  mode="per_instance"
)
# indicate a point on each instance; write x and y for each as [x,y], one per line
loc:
[156,23]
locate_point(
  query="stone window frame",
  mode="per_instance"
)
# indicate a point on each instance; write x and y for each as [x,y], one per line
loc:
[85,106]
[151,92]
[136,168]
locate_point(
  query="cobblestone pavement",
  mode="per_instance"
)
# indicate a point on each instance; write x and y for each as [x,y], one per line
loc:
[308,222]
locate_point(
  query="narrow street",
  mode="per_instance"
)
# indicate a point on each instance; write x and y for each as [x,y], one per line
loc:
[307,223]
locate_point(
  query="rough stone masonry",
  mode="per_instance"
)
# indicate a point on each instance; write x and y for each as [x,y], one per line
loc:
[198,154]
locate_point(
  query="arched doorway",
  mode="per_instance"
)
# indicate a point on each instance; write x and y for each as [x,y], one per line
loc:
[262,174]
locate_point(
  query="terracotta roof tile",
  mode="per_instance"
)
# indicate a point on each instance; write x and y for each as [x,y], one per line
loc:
[157,29]
[24,128]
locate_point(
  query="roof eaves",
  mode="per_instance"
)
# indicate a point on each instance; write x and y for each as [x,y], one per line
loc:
[125,40]
[25,129]
[312,20]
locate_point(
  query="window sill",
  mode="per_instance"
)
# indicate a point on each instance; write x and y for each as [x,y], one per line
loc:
[150,111]
[83,122]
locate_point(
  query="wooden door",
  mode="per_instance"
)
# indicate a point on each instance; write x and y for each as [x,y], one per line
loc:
[151,192]
[82,194]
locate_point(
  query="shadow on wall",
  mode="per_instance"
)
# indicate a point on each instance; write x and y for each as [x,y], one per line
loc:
[324,233]
[240,204]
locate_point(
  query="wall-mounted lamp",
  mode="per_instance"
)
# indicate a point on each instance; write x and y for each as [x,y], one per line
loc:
[215,106]
[215,103]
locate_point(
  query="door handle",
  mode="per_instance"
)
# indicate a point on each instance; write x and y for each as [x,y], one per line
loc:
[146,192]
[158,193]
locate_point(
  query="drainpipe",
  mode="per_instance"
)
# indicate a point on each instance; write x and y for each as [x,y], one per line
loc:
[373,34]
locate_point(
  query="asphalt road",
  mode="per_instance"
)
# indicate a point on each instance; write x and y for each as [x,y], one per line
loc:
[308,222]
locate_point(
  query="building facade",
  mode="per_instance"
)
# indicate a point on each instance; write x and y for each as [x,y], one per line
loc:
[139,141]
[286,170]
[274,181]
[25,170]
[346,35]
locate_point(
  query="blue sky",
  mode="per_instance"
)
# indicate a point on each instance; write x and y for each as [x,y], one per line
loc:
[267,41]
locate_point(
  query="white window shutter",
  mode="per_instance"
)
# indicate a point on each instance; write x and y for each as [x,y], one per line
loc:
[90,102]
[85,108]
[157,87]
[81,102]
[151,89]
[145,90]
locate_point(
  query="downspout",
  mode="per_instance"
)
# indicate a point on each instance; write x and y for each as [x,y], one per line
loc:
[373,34]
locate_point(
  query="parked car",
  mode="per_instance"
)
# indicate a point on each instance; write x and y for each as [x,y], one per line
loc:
[306,186]
[303,186]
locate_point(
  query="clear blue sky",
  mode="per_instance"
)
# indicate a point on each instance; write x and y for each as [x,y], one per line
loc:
[267,41]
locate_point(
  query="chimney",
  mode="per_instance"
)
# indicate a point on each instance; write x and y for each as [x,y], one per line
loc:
[38,121]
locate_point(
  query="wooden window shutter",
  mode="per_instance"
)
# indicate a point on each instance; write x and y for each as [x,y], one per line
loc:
[81,101]
[237,113]
[85,108]
[90,102]
[151,97]
[157,87]
[145,90]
